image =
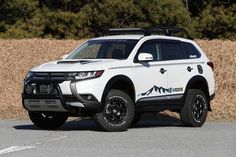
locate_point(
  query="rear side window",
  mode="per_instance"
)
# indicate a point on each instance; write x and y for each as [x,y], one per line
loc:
[191,51]
[172,51]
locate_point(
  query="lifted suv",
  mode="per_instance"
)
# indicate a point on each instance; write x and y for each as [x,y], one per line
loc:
[118,77]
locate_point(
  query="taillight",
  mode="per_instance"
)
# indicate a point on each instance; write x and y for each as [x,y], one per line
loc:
[211,65]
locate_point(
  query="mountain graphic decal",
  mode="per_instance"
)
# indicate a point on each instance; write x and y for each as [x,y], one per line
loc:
[156,89]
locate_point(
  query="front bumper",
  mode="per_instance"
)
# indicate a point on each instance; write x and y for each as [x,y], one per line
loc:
[58,102]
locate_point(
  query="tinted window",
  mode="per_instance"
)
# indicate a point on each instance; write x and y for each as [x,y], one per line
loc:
[152,48]
[191,50]
[172,51]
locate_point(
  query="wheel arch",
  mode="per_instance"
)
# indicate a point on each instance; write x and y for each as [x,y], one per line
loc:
[120,82]
[199,82]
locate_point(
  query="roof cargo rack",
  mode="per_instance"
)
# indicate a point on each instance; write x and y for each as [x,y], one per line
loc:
[119,31]
[160,30]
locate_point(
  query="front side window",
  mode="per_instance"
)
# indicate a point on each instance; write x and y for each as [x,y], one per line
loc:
[152,48]
[104,49]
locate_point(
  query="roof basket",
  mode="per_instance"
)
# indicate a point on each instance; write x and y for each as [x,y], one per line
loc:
[160,30]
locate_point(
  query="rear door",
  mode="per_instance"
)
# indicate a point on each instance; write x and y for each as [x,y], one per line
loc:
[178,64]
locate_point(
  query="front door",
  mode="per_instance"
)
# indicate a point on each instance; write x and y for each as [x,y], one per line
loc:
[150,77]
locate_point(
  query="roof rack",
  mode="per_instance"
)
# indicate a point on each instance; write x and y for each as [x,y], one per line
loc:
[119,31]
[168,31]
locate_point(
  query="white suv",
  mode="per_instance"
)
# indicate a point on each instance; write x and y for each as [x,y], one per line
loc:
[118,77]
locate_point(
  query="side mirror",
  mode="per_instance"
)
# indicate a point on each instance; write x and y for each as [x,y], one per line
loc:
[64,56]
[145,57]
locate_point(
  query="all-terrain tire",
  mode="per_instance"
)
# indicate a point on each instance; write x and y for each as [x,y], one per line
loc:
[48,120]
[194,111]
[118,111]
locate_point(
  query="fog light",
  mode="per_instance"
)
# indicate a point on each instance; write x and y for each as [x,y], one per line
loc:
[88,97]
[29,89]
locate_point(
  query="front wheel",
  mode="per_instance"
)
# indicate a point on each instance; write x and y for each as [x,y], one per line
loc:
[194,112]
[48,120]
[118,111]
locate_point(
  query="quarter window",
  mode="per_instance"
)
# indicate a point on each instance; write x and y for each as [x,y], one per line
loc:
[191,51]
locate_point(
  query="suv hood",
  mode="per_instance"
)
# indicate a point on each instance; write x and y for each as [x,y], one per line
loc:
[75,65]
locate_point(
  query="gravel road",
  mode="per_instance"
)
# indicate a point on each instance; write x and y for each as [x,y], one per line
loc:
[150,138]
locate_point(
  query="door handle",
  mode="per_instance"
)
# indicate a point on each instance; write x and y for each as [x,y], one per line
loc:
[162,70]
[189,68]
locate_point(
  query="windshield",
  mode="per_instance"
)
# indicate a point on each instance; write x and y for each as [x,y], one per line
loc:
[104,49]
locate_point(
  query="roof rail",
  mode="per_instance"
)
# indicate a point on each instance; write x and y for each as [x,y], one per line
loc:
[119,31]
[168,31]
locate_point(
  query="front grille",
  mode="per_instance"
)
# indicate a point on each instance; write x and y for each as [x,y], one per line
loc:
[51,76]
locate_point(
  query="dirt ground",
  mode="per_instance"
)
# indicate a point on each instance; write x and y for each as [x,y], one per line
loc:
[18,56]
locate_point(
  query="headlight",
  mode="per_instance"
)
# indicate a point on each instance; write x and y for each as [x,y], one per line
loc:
[86,75]
[29,74]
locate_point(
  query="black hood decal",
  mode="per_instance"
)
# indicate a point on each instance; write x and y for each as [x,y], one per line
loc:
[76,61]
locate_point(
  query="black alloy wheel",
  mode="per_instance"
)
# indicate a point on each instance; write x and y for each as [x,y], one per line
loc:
[118,111]
[194,111]
[198,108]
[115,111]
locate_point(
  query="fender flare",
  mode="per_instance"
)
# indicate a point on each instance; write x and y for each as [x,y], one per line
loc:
[116,79]
[195,79]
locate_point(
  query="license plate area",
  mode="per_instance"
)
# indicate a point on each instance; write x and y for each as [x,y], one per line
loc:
[47,89]
[42,89]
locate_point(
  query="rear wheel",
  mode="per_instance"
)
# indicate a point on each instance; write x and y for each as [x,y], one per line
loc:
[118,111]
[48,120]
[194,112]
